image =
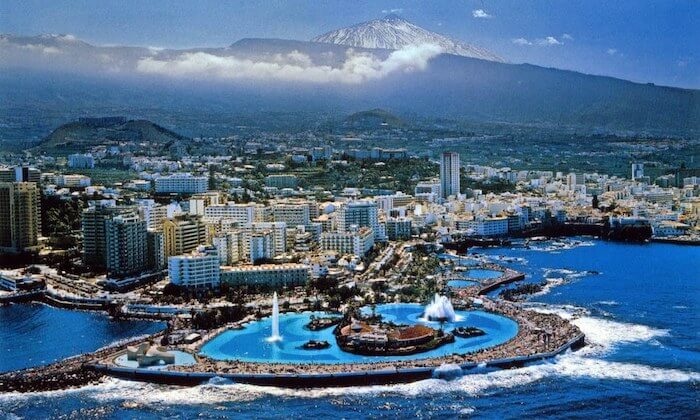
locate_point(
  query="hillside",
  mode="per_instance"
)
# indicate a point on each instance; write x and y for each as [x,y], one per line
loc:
[79,136]
[373,118]
[318,77]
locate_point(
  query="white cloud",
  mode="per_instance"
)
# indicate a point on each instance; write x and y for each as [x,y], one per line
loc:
[567,37]
[44,49]
[611,51]
[295,66]
[481,14]
[388,11]
[521,41]
[549,41]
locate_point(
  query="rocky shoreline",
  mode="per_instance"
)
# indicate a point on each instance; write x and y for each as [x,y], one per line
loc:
[72,372]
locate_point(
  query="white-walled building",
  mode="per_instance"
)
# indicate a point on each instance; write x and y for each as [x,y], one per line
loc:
[182,183]
[272,275]
[199,269]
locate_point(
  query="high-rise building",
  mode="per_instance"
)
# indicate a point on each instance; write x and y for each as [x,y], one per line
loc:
[230,247]
[156,253]
[292,213]
[449,174]
[357,242]
[183,234]
[20,216]
[260,246]
[20,174]
[94,235]
[242,213]
[361,213]
[81,161]
[398,228]
[637,170]
[199,202]
[153,213]
[278,230]
[126,245]
[199,269]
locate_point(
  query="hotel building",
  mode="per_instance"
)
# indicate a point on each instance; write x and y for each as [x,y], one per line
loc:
[449,174]
[20,217]
[273,275]
[199,269]
[182,183]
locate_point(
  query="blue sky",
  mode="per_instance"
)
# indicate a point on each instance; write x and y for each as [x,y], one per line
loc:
[640,40]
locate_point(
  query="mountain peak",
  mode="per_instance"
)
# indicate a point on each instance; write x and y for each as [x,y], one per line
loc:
[393,32]
[392,17]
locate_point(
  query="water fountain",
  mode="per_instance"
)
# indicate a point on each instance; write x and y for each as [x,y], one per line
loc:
[275,336]
[440,309]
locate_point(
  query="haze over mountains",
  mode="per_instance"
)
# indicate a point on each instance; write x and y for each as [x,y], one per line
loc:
[414,72]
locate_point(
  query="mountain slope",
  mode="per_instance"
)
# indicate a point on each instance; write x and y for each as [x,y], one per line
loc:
[79,81]
[394,33]
[81,135]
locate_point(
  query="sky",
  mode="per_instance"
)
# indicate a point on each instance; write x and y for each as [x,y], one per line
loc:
[655,41]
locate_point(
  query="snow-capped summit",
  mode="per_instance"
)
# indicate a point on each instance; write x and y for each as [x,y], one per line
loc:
[393,32]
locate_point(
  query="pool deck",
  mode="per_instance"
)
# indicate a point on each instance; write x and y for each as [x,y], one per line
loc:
[540,336]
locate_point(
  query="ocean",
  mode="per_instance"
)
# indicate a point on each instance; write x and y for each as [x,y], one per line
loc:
[639,306]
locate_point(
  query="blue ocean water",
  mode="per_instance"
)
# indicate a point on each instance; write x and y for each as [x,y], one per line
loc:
[34,335]
[639,306]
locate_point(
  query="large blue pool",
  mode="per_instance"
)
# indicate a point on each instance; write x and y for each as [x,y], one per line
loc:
[249,344]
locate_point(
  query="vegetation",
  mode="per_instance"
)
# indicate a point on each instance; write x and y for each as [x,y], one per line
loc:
[420,283]
[60,219]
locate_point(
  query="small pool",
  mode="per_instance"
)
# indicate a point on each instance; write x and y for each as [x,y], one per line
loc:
[458,284]
[181,359]
[250,345]
[483,274]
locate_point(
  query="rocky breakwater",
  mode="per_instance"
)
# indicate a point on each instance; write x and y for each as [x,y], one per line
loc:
[72,372]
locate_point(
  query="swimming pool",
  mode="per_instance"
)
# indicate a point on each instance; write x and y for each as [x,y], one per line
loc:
[250,345]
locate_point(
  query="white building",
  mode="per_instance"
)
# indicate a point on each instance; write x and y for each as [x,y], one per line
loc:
[80,161]
[260,246]
[360,213]
[272,275]
[293,214]
[200,269]
[230,247]
[398,228]
[357,243]
[281,181]
[491,226]
[73,181]
[182,183]
[241,213]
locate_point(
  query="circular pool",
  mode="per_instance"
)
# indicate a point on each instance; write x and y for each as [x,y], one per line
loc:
[483,274]
[250,344]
